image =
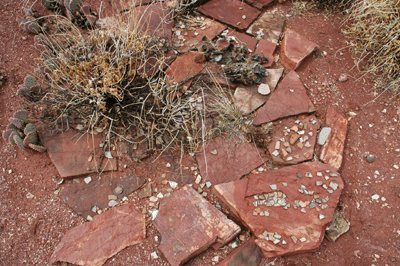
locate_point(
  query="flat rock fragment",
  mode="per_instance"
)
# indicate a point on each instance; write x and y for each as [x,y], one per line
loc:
[248,98]
[189,224]
[290,98]
[338,227]
[232,12]
[248,254]
[288,224]
[298,138]
[70,152]
[295,48]
[226,160]
[184,69]
[94,242]
[82,197]
[332,151]
[268,26]
[243,39]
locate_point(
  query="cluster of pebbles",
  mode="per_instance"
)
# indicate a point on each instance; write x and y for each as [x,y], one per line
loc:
[296,138]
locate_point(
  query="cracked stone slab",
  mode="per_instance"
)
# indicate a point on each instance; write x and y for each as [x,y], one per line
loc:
[268,26]
[209,28]
[295,48]
[235,13]
[226,160]
[247,98]
[293,140]
[75,154]
[189,224]
[248,254]
[82,197]
[94,242]
[286,213]
[290,98]
[332,151]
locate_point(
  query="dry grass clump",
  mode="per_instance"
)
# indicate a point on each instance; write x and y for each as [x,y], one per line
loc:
[374,32]
[113,82]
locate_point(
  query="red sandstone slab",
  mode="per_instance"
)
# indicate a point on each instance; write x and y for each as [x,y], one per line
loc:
[154,19]
[268,26]
[247,98]
[189,224]
[214,74]
[94,242]
[260,3]
[293,140]
[295,48]
[272,207]
[248,254]
[82,197]
[243,39]
[184,69]
[266,48]
[290,98]
[230,12]
[188,39]
[71,151]
[226,160]
[332,151]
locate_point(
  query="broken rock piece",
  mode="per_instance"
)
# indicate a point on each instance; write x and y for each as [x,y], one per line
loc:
[189,224]
[338,227]
[332,151]
[226,160]
[94,242]
[286,213]
[295,48]
[248,254]
[290,98]
[268,25]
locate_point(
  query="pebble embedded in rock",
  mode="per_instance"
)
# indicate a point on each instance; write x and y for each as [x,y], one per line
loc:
[375,197]
[208,184]
[118,190]
[370,158]
[154,255]
[264,89]
[87,180]
[323,135]
[29,195]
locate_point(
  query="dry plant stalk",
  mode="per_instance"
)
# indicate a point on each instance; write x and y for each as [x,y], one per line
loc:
[374,32]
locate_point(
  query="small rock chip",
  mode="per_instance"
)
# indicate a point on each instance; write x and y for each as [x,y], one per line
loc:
[322,216]
[112,203]
[294,138]
[214,152]
[112,197]
[275,153]
[277,145]
[89,218]
[264,89]
[323,135]
[343,78]
[303,239]
[198,179]
[273,187]
[370,158]
[29,195]
[208,184]
[87,180]
[294,239]
[333,186]
[375,197]
[154,255]
[299,175]
[312,205]
[173,184]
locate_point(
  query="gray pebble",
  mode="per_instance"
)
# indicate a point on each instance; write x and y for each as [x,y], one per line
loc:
[370,158]
[323,135]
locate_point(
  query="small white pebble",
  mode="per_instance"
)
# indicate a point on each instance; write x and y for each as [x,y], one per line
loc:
[87,180]
[375,197]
